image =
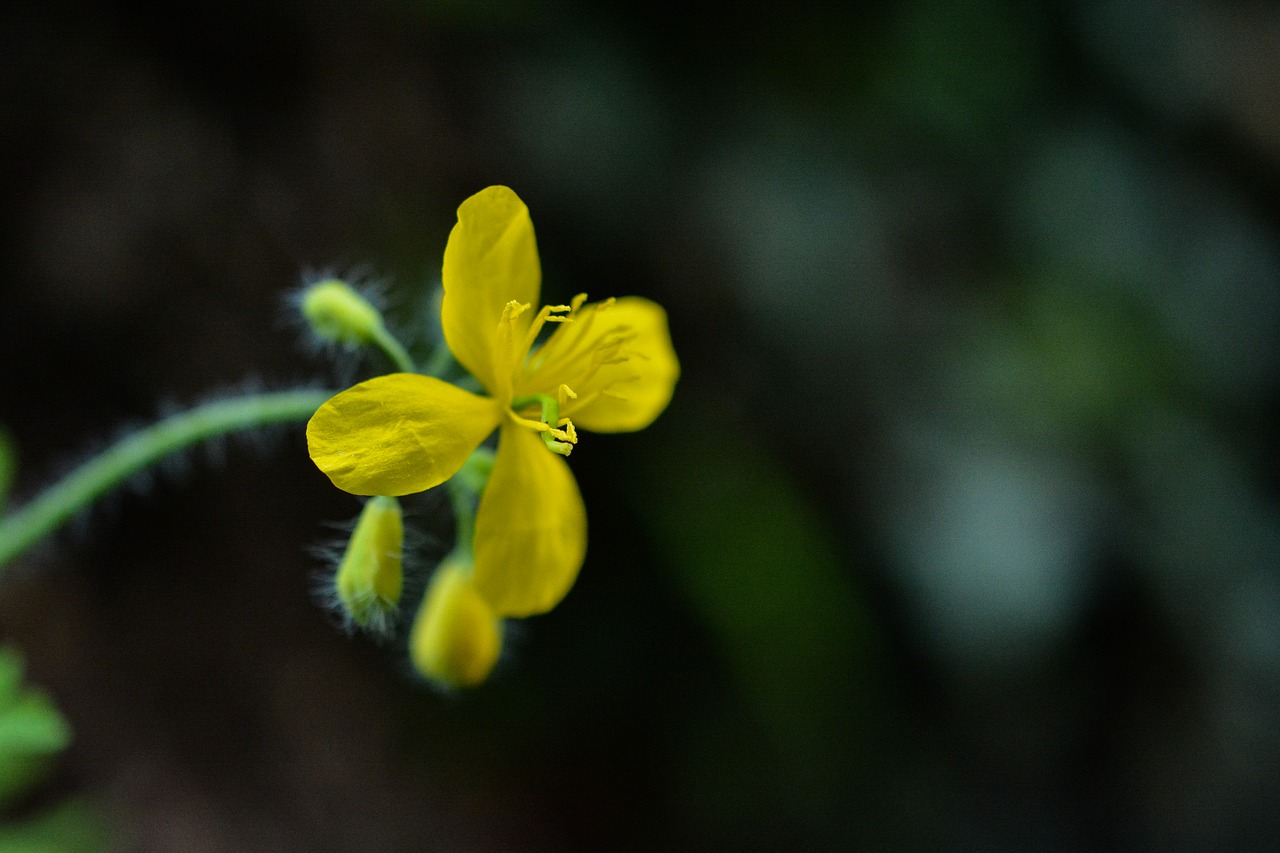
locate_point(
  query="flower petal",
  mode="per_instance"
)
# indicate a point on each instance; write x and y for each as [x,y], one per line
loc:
[628,394]
[491,259]
[398,434]
[531,527]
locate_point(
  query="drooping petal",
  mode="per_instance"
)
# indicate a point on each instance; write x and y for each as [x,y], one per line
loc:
[398,434]
[623,367]
[531,527]
[491,259]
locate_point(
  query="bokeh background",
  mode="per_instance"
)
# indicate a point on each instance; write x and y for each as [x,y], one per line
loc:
[962,531]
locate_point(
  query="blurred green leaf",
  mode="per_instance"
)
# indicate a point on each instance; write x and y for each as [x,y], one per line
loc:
[8,466]
[965,74]
[31,729]
[72,827]
[751,553]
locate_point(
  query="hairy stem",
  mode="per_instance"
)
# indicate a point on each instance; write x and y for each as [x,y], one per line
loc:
[57,504]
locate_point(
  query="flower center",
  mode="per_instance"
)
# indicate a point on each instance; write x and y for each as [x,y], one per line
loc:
[579,351]
[558,433]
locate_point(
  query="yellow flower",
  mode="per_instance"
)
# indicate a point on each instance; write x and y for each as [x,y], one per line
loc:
[609,367]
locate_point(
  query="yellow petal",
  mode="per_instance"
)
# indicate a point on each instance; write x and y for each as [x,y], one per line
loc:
[531,527]
[491,259]
[456,636]
[629,393]
[398,434]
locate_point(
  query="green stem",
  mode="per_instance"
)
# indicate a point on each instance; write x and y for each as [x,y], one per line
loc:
[463,502]
[58,503]
[441,359]
[394,350]
[465,489]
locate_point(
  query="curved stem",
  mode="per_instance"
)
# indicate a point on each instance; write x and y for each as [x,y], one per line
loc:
[441,359]
[393,349]
[463,502]
[57,504]
[465,489]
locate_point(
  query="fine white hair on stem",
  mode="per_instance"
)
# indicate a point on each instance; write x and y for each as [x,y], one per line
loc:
[166,451]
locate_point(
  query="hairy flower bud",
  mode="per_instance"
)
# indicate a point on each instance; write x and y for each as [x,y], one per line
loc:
[370,576]
[338,314]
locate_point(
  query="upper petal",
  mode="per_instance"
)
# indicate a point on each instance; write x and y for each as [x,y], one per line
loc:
[531,527]
[398,434]
[491,259]
[627,373]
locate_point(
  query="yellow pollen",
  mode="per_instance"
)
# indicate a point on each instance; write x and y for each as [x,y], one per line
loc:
[512,310]
[545,315]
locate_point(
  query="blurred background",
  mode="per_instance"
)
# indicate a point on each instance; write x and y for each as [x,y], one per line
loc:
[962,531]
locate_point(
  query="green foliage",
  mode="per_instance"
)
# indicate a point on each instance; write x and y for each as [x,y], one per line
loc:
[749,553]
[32,734]
[69,828]
[32,731]
[8,466]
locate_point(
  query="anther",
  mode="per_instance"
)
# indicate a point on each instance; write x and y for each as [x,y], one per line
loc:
[545,315]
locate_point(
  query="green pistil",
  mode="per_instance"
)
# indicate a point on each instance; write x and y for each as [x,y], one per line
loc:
[550,416]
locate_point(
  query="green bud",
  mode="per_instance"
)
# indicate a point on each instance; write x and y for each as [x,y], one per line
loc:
[370,576]
[338,314]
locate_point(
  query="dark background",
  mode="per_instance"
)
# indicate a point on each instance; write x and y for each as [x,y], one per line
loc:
[961,531]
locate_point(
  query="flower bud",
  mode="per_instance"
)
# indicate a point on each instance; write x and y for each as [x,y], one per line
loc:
[370,576]
[456,636]
[338,314]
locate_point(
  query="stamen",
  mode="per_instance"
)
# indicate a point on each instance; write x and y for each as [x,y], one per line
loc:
[564,347]
[544,316]
[564,394]
[605,354]
[536,426]
[506,355]
[513,309]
